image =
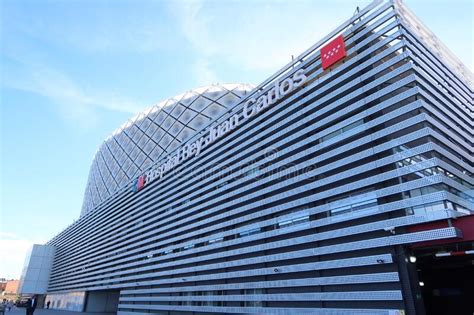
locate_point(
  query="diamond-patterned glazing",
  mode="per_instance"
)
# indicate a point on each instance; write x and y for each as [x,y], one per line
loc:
[149,135]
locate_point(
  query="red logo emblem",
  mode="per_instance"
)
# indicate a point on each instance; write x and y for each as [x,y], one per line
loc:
[140,182]
[334,51]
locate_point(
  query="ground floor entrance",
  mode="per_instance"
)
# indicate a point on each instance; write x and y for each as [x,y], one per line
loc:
[445,276]
[102,301]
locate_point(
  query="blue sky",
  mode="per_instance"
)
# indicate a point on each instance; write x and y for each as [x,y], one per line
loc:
[73,71]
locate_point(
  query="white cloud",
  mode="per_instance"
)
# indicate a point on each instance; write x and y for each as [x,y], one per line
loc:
[74,102]
[196,26]
[262,38]
[100,30]
[263,35]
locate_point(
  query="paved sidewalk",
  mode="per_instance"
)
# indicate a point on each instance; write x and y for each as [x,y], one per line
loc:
[40,311]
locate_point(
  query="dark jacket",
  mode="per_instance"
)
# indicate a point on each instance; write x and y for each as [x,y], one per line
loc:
[32,304]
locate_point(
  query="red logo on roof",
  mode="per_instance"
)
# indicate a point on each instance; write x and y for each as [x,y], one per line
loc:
[334,51]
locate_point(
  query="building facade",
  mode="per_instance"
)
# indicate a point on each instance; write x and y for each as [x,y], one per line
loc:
[11,290]
[333,187]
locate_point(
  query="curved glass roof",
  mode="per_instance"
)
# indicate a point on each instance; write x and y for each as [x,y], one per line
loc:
[155,132]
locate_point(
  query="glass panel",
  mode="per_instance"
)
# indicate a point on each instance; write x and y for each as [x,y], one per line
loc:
[292,222]
[356,202]
[250,232]
[216,240]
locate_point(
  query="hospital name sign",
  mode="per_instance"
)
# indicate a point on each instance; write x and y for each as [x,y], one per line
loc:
[252,107]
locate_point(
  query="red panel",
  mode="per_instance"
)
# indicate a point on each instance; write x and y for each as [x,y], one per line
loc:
[140,182]
[334,51]
[465,224]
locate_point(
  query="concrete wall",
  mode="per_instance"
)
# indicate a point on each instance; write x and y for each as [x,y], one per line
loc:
[102,301]
[36,270]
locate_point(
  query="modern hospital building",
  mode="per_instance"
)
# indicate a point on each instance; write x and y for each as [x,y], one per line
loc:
[342,184]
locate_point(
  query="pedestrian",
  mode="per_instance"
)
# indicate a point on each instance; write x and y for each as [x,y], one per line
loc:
[10,304]
[47,304]
[31,306]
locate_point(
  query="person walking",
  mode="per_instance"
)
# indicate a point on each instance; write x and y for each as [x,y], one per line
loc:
[47,304]
[30,308]
[10,304]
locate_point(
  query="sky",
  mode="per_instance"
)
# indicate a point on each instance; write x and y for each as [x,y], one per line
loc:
[73,71]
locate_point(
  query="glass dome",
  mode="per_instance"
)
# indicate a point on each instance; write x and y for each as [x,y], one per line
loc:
[145,138]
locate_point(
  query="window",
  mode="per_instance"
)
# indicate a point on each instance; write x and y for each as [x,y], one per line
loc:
[188,247]
[429,207]
[342,130]
[461,209]
[254,172]
[215,240]
[356,202]
[250,232]
[293,221]
[254,303]
[436,206]
[185,294]
[211,303]
[166,252]
[223,184]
